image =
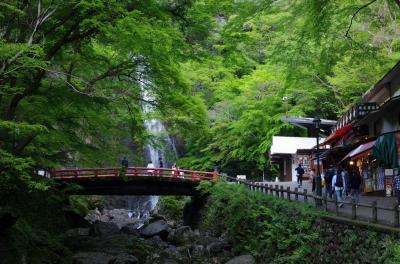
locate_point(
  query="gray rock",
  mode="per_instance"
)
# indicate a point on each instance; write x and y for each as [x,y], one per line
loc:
[198,251]
[93,257]
[217,247]
[181,236]
[157,228]
[245,259]
[104,228]
[125,259]
[77,232]
[131,229]
[156,217]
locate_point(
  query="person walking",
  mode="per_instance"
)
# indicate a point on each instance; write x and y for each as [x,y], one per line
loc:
[338,184]
[328,181]
[354,185]
[396,187]
[312,178]
[346,178]
[300,173]
[150,167]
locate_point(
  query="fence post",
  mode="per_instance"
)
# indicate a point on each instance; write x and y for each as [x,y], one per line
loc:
[272,189]
[277,190]
[374,212]
[305,195]
[265,188]
[326,201]
[296,195]
[336,205]
[396,216]
[288,193]
[315,199]
[353,211]
[282,194]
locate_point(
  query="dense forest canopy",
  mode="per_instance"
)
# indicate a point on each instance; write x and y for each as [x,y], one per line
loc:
[73,74]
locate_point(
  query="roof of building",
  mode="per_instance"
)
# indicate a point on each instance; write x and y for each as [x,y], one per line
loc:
[290,145]
[389,76]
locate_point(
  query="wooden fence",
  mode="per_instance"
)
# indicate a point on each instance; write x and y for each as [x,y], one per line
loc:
[371,213]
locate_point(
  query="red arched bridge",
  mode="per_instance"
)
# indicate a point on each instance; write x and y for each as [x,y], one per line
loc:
[133,180]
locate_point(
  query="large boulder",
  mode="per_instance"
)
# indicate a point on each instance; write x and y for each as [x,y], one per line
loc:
[181,236]
[245,259]
[132,229]
[93,257]
[104,228]
[125,259]
[217,247]
[157,228]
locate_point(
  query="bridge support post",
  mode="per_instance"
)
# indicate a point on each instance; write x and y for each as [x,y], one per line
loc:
[305,195]
[296,195]
[282,193]
[288,193]
[277,190]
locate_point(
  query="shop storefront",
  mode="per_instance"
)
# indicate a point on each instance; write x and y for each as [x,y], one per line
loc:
[376,162]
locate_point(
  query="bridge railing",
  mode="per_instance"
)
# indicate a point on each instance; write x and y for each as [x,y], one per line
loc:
[112,172]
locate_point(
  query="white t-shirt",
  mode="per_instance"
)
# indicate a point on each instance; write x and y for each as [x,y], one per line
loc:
[150,166]
[336,188]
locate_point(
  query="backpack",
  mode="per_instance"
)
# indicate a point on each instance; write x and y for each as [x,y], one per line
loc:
[339,180]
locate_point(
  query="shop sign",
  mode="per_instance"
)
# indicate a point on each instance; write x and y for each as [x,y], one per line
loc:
[388,172]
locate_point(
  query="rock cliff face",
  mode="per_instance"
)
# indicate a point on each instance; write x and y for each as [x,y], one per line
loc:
[157,241]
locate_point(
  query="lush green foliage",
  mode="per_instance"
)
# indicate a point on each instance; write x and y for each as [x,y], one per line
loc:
[278,231]
[272,230]
[172,206]
[311,52]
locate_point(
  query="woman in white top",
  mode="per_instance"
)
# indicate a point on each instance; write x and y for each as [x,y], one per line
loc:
[150,166]
[338,184]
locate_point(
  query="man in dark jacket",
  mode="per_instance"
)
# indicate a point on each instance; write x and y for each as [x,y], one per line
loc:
[300,173]
[328,181]
[355,183]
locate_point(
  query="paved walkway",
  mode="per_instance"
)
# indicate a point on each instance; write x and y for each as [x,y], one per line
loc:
[386,217]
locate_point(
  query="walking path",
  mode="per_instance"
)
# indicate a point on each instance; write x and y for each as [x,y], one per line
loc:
[385,205]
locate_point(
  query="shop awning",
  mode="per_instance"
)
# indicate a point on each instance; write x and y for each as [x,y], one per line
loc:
[361,150]
[338,134]
[385,149]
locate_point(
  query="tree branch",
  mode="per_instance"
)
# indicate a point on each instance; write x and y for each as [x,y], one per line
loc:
[354,15]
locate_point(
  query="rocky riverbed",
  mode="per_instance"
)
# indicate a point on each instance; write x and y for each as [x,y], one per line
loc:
[115,237]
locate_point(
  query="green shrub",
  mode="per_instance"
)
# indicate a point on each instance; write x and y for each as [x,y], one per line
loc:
[172,206]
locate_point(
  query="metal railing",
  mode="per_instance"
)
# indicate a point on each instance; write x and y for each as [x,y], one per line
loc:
[366,212]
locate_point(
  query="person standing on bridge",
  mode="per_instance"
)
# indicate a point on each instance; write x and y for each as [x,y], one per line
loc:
[125,162]
[124,167]
[150,168]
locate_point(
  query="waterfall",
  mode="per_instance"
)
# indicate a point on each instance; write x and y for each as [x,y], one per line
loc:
[128,208]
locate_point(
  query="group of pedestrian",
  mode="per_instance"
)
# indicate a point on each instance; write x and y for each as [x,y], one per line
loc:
[339,182]
[151,171]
